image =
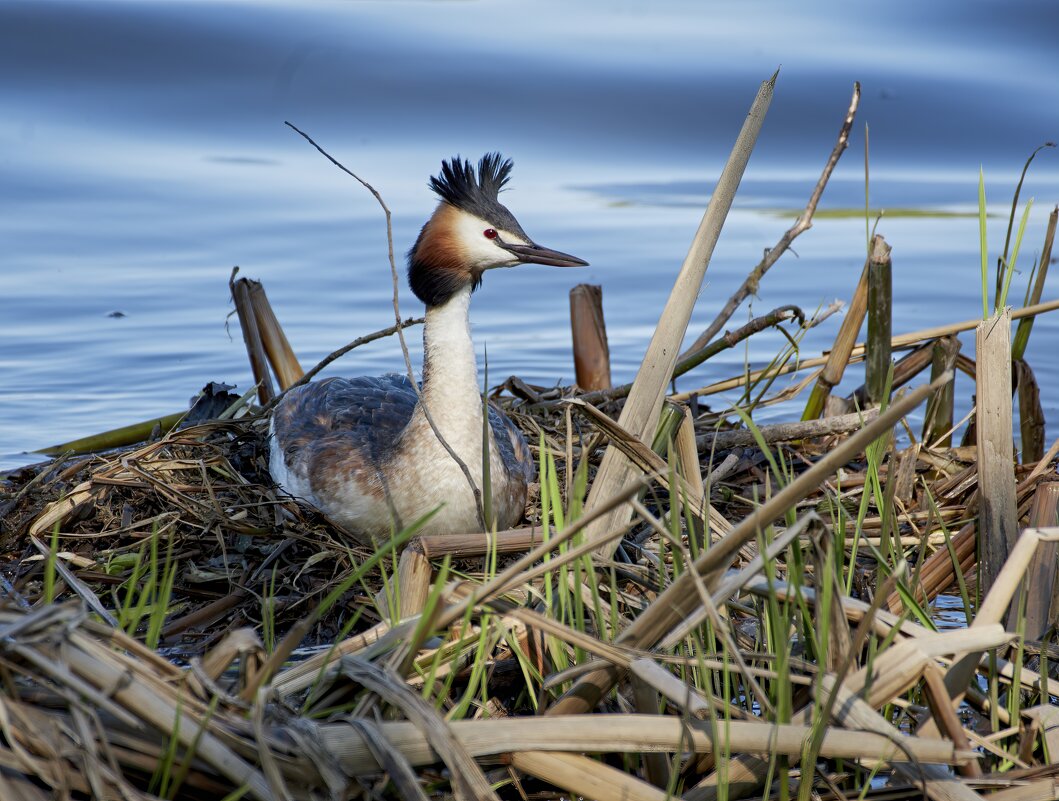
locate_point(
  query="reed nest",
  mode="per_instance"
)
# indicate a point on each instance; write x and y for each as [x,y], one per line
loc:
[183,543]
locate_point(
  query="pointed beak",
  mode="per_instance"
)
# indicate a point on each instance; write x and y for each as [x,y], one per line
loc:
[535,254]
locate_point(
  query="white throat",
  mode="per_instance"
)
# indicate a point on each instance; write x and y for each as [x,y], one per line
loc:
[450,375]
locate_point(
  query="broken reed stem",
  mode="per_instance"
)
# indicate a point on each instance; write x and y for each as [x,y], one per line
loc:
[255,349]
[277,348]
[640,413]
[998,507]
[1040,586]
[1031,413]
[802,224]
[116,437]
[589,334]
[937,422]
[880,311]
[846,337]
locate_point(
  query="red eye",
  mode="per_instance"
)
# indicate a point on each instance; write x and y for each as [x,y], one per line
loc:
[489,233]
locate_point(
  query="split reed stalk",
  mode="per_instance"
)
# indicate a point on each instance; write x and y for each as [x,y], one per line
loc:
[880,313]
[640,413]
[846,338]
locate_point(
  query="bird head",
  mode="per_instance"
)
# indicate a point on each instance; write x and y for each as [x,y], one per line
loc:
[471,231]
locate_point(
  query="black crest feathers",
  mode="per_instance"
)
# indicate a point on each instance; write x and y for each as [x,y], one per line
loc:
[478,194]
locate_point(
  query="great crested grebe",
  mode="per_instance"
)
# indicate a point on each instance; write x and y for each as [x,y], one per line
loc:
[361,449]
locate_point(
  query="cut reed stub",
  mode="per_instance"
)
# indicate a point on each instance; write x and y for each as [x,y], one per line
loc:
[880,313]
[846,339]
[1040,585]
[266,344]
[998,508]
[278,350]
[589,331]
[1031,413]
[937,422]
[255,349]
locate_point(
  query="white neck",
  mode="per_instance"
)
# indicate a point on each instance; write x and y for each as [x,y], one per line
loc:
[450,375]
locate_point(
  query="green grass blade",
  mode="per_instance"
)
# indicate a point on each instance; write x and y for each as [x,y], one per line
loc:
[49,565]
[1009,270]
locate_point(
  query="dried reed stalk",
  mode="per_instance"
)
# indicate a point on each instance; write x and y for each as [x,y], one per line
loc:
[1040,586]
[998,516]
[1031,413]
[937,422]
[847,334]
[626,733]
[280,354]
[688,457]
[413,579]
[585,777]
[640,413]
[255,348]
[589,333]
[787,432]
[880,325]
[945,715]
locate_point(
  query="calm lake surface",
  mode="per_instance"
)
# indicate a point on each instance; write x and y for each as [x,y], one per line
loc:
[143,155]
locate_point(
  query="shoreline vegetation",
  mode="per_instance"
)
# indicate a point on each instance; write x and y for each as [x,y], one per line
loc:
[695,606]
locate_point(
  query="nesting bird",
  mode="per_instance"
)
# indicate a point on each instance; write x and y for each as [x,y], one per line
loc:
[362,449]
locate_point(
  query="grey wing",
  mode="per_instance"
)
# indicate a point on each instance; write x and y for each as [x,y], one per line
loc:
[511,444]
[369,412]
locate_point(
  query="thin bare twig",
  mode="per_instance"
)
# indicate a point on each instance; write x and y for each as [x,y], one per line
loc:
[803,223]
[397,317]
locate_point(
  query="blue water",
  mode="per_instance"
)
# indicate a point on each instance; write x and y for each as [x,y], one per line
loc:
[143,155]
